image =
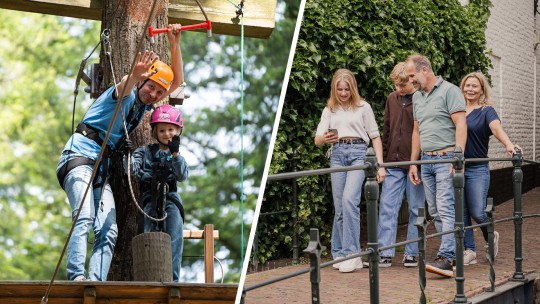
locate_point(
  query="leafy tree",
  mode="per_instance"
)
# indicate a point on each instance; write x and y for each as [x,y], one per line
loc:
[38,61]
[369,38]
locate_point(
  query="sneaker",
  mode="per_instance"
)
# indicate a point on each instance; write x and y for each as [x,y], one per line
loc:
[385,262]
[410,261]
[350,265]
[440,266]
[469,257]
[79,278]
[495,245]
[336,265]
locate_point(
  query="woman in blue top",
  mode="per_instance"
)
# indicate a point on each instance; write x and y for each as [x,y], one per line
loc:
[482,122]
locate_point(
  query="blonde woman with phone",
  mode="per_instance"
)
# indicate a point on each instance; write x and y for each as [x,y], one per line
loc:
[354,123]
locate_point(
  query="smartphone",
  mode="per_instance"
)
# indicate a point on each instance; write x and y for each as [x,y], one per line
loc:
[333,131]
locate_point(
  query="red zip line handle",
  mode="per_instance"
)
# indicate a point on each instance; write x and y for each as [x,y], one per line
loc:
[205,25]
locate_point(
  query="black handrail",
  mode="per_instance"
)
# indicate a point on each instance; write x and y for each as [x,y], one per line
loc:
[314,248]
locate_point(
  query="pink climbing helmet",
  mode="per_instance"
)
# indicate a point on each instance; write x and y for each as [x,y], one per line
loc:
[167,114]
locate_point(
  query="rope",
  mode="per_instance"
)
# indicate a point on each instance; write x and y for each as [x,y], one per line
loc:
[103,147]
[239,13]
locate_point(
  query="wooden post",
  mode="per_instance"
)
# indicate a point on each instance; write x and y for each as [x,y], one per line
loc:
[89,295]
[152,258]
[209,253]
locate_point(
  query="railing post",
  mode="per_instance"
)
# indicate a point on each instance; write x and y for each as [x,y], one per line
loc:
[421,224]
[517,177]
[459,184]
[295,260]
[314,250]
[371,192]
[491,230]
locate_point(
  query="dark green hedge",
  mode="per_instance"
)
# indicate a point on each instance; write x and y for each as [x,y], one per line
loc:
[368,37]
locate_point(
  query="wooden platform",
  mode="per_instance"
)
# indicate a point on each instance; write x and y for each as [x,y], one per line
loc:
[90,292]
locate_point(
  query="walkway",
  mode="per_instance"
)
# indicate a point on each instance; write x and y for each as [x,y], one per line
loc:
[399,284]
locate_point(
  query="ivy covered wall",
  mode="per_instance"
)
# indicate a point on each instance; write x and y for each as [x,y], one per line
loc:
[368,37]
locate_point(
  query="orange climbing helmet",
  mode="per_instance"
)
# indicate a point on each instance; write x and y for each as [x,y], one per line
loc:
[163,74]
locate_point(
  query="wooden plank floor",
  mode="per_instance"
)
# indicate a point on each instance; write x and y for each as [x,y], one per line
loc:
[89,292]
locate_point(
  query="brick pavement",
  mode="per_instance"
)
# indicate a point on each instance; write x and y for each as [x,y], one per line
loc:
[399,284]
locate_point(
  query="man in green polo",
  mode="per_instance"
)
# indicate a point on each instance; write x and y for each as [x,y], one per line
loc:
[439,127]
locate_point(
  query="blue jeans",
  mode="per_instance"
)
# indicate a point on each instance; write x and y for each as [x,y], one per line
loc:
[101,216]
[396,183]
[476,189]
[439,189]
[174,226]
[346,192]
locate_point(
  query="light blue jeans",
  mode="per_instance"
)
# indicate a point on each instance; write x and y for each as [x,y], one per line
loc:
[174,226]
[476,189]
[396,183]
[439,189]
[346,192]
[101,216]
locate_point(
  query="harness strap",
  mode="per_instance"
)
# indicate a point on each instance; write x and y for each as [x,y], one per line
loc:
[89,132]
[78,161]
[93,134]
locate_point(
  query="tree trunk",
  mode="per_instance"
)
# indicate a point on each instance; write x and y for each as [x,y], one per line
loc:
[126,19]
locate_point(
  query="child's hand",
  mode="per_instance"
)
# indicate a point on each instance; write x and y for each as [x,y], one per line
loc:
[174,144]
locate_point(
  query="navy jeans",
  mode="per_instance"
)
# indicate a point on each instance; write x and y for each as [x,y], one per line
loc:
[476,189]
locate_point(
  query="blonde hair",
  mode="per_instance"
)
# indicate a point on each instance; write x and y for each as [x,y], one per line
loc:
[484,85]
[398,74]
[346,76]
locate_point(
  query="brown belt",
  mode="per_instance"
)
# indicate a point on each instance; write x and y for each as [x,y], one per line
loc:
[441,153]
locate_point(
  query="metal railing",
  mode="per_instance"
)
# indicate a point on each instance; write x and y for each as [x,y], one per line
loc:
[371,192]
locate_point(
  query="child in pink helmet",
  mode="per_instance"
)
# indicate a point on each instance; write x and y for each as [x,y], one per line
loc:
[158,167]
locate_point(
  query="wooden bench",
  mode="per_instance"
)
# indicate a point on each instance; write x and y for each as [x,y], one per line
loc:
[208,235]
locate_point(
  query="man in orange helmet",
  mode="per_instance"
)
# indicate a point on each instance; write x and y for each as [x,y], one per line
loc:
[150,82]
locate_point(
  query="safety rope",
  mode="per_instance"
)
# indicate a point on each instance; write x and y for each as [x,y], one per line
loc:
[240,12]
[103,147]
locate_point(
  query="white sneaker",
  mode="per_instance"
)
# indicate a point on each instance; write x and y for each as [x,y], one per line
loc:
[350,265]
[469,257]
[79,278]
[336,265]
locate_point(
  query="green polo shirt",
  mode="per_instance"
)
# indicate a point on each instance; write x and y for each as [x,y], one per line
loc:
[432,111]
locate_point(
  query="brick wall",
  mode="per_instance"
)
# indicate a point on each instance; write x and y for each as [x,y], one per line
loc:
[510,36]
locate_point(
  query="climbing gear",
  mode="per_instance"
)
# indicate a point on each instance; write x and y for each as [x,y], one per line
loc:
[162,74]
[156,191]
[167,114]
[205,25]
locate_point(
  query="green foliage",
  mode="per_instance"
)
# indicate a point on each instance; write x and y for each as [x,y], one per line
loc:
[38,60]
[369,38]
